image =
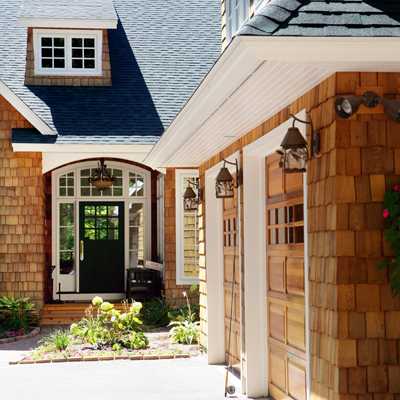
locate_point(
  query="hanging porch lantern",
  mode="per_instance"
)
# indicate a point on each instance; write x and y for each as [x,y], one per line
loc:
[190,199]
[101,178]
[294,152]
[224,182]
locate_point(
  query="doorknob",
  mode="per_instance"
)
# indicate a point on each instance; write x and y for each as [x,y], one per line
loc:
[81,250]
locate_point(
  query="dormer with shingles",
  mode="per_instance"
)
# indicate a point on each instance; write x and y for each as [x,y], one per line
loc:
[67,44]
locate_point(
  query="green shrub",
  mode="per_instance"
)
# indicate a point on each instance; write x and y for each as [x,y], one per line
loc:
[155,312]
[15,313]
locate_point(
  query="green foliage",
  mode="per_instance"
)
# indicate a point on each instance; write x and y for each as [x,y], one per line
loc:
[155,312]
[183,309]
[185,327]
[109,326]
[57,340]
[15,313]
[392,237]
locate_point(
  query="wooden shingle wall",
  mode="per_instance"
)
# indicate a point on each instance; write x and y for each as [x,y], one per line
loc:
[354,321]
[173,292]
[22,214]
[62,80]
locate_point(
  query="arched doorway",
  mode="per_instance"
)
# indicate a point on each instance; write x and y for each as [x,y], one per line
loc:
[97,235]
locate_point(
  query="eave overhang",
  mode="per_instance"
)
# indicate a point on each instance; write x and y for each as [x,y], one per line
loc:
[255,78]
[60,23]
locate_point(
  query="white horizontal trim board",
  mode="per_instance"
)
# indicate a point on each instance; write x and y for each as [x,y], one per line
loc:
[256,77]
[56,155]
[68,23]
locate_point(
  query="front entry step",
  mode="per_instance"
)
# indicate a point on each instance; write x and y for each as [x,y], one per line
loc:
[68,313]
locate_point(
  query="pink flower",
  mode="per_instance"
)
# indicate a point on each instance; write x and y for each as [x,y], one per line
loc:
[396,188]
[385,213]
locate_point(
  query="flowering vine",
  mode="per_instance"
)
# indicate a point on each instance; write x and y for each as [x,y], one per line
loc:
[392,237]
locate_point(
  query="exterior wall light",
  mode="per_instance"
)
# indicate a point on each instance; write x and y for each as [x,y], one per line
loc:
[101,178]
[224,182]
[190,200]
[347,106]
[294,152]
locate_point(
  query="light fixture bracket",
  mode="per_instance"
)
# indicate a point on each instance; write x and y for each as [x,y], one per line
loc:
[371,99]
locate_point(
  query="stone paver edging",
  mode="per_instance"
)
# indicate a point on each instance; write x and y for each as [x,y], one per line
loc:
[101,358]
[31,334]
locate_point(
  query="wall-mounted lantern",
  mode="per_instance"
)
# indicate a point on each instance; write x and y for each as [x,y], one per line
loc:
[294,152]
[347,106]
[190,200]
[101,178]
[224,182]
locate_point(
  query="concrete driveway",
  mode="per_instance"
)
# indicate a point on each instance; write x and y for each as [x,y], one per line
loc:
[179,379]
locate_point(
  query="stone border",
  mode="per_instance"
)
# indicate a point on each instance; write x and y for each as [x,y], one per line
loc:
[34,332]
[102,358]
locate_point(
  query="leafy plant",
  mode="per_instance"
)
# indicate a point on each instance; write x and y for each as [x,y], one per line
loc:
[109,326]
[155,312]
[16,313]
[183,309]
[58,339]
[185,327]
[392,237]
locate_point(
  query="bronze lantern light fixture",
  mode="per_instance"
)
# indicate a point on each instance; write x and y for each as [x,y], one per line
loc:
[347,106]
[191,201]
[101,178]
[224,182]
[294,152]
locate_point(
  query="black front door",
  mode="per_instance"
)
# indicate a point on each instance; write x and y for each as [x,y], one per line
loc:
[101,247]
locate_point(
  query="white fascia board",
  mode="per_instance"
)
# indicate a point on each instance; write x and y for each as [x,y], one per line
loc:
[27,112]
[326,50]
[235,64]
[56,155]
[246,53]
[68,23]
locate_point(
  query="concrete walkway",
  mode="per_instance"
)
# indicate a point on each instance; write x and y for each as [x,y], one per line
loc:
[179,379]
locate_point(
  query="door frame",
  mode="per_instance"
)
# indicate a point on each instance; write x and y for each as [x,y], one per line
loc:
[256,324]
[215,269]
[76,199]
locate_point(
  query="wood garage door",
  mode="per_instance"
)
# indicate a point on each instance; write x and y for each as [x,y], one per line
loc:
[285,285]
[231,281]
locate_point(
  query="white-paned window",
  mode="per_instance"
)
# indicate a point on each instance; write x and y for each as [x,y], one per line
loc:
[87,189]
[67,238]
[66,185]
[67,52]
[160,219]
[136,234]
[187,231]
[237,12]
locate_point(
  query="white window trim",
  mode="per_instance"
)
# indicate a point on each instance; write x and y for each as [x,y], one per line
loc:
[180,278]
[245,6]
[161,222]
[56,200]
[67,34]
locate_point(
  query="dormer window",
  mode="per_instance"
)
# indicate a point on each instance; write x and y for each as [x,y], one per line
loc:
[67,52]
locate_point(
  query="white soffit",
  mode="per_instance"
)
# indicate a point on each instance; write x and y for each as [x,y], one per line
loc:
[56,155]
[254,79]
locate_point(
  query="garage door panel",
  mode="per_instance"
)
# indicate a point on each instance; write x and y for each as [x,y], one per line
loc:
[295,276]
[296,381]
[286,282]
[278,369]
[276,276]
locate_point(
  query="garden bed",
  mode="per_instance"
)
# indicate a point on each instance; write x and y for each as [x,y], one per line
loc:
[160,348]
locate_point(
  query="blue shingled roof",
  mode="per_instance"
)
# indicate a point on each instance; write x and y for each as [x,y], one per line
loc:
[68,9]
[159,54]
[326,18]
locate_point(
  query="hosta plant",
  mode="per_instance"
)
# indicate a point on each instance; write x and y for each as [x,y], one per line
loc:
[185,327]
[392,237]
